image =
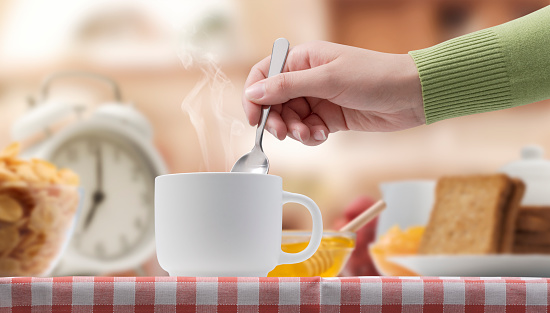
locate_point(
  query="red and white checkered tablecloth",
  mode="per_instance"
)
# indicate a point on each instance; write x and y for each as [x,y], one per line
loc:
[353,294]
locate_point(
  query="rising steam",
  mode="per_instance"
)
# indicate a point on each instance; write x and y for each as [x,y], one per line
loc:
[205,103]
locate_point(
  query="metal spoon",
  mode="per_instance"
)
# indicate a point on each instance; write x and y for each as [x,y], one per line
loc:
[256,161]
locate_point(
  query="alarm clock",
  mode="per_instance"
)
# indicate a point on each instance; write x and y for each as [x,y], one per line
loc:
[113,153]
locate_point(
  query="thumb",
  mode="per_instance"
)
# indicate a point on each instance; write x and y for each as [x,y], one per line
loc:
[290,85]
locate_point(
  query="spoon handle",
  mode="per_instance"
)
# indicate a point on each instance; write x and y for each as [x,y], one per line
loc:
[278,58]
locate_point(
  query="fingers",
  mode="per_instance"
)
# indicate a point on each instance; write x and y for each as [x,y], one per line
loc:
[286,86]
[318,129]
[297,122]
[275,124]
[296,128]
[290,113]
[302,76]
[292,118]
[257,73]
[310,130]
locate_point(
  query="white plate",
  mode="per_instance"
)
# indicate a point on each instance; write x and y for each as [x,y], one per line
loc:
[504,265]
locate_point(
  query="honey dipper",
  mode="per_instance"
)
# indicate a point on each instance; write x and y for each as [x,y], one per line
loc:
[323,259]
[365,217]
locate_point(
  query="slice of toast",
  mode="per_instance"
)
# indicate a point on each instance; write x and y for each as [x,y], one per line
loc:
[533,210]
[531,249]
[471,215]
[510,216]
[529,223]
[530,238]
[533,219]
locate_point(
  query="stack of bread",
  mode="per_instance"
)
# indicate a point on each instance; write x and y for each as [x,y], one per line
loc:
[475,214]
[533,230]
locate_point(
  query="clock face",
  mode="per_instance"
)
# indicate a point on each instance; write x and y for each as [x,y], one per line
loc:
[118,182]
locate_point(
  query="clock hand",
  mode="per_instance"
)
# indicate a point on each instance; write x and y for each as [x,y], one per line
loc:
[99,170]
[98,196]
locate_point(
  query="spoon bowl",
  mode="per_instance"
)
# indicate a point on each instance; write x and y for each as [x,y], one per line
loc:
[254,161]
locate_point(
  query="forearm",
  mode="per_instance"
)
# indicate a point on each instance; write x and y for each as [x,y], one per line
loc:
[496,68]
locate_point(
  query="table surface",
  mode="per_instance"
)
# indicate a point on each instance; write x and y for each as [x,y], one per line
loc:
[272,294]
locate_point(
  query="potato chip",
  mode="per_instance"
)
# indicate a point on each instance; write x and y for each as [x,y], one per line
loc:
[31,251]
[11,151]
[14,184]
[12,164]
[26,172]
[22,223]
[68,177]
[45,170]
[9,238]
[34,171]
[9,267]
[7,175]
[27,240]
[21,194]
[396,242]
[38,222]
[36,265]
[10,210]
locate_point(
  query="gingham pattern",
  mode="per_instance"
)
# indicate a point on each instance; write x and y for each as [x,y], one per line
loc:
[353,294]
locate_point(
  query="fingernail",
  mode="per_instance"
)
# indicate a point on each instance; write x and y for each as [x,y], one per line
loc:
[320,135]
[255,92]
[273,132]
[296,134]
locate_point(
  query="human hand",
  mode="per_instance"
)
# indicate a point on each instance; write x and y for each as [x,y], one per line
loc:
[327,87]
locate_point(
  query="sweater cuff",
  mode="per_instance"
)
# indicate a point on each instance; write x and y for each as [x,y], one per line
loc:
[462,76]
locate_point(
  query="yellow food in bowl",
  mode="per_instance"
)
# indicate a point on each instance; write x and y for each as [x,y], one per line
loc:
[37,210]
[328,260]
[396,242]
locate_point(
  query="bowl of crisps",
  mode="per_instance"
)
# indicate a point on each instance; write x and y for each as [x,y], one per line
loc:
[38,209]
[396,242]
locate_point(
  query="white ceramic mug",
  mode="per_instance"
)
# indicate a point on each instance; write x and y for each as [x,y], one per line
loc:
[225,224]
[408,203]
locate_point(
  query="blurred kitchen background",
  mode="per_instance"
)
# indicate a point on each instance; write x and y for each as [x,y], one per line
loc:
[184,63]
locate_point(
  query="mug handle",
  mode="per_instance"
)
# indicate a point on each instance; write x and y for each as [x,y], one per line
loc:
[316,229]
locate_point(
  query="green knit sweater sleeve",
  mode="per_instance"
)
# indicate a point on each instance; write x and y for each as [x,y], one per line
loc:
[492,69]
